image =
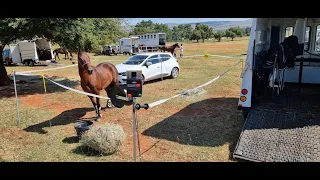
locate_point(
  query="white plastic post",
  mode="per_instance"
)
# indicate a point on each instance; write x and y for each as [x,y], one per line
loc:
[15,92]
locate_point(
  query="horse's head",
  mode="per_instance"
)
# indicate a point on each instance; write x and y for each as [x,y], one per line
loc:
[84,62]
[176,45]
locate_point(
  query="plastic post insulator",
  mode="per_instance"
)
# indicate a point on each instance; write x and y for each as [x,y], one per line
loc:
[137,106]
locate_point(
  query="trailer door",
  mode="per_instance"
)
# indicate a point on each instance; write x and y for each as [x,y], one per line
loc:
[15,53]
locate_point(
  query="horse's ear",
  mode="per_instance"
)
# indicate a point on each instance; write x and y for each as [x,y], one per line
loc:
[79,50]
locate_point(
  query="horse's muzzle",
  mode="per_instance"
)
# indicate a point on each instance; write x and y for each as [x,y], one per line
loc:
[90,71]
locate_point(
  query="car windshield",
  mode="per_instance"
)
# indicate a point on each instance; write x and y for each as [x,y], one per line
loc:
[136,60]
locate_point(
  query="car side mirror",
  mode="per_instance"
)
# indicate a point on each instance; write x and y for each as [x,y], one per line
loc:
[148,64]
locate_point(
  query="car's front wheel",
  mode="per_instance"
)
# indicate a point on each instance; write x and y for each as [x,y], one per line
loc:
[174,73]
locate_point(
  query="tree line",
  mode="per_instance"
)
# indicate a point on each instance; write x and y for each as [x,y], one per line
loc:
[186,32]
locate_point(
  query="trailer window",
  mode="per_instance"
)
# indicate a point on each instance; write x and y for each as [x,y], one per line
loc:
[139,37]
[145,36]
[307,37]
[317,44]
[148,37]
[154,36]
[289,31]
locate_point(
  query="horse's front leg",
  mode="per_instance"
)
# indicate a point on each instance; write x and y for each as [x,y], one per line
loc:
[57,56]
[87,89]
[93,103]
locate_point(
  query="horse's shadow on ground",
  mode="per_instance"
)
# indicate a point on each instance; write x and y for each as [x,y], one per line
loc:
[211,123]
[66,117]
[34,85]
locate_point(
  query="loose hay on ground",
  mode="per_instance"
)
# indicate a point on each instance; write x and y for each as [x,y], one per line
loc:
[105,139]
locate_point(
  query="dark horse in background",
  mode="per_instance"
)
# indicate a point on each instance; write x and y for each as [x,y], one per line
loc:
[64,51]
[104,76]
[169,48]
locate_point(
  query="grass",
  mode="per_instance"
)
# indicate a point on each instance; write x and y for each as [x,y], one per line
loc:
[201,127]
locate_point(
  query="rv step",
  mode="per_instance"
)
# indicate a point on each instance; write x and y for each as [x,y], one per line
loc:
[280,136]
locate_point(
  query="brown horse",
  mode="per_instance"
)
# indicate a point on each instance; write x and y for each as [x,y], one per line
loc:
[169,48]
[62,51]
[104,76]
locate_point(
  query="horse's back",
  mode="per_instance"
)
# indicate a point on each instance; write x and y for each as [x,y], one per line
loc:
[106,68]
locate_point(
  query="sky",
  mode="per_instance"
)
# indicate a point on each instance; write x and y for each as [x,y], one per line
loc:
[134,21]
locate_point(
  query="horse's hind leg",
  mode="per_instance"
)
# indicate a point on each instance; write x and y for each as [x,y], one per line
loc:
[108,90]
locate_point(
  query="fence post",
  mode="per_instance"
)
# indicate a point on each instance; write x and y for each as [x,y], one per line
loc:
[15,92]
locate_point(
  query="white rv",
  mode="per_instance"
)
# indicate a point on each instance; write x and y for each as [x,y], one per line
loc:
[151,41]
[30,52]
[280,91]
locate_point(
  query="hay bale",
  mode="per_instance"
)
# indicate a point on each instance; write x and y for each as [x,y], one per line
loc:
[105,139]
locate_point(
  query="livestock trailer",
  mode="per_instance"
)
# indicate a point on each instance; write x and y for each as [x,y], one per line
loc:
[151,41]
[30,52]
[280,91]
[125,45]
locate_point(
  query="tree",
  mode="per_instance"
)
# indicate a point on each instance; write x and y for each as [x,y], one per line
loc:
[182,31]
[237,30]
[89,33]
[232,35]
[187,31]
[176,33]
[247,31]
[92,33]
[12,29]
[205,31]
[143,27]
[218,35]
[196,35]
[227,33]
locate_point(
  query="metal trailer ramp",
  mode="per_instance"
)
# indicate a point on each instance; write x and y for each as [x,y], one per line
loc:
[280,136]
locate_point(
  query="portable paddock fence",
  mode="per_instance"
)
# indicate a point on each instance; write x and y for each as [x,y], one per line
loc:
[151,105]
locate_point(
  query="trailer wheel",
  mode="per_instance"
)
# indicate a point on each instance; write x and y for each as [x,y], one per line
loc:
[26,62]
[31,63]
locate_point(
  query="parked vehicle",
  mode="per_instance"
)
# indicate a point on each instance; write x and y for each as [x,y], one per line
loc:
[110,49]
[31,52]
[153,65]
[6,55]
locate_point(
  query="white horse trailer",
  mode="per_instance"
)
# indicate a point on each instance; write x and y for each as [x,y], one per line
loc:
[281,103]
[151,41]
[26,52]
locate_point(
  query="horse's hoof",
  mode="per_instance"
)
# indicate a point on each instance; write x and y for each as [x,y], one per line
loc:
[98,119]
[108,105]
